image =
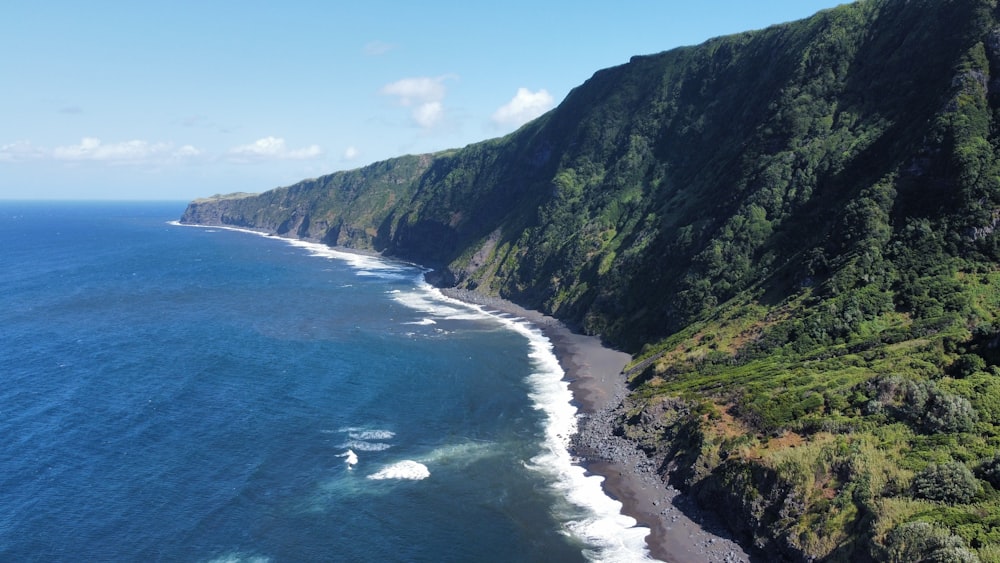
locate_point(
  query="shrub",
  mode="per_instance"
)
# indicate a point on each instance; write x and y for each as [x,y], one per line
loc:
[922,542]
[948,413]
[926,406]
[950,482]
[990,471]
[968,364]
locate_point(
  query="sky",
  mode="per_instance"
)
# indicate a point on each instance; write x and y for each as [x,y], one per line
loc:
[183,99]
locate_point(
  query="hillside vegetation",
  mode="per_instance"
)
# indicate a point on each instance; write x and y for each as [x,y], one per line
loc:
[795,232]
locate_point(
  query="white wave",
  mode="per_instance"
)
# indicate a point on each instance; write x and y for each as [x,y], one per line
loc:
[425,299]
[406,469]
[211,228]
[351,458]
[615,536]
[359,434]
[363,264]
[363,446]
[422,322]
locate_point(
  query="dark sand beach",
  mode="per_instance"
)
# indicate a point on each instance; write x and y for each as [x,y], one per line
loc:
[679,531]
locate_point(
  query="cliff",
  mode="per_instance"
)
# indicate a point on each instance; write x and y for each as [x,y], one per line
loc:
[793,230]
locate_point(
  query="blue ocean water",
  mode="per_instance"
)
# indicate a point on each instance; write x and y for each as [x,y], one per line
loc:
[175,393]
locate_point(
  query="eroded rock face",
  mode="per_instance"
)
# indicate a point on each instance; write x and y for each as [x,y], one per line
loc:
[228,211]
[205,212]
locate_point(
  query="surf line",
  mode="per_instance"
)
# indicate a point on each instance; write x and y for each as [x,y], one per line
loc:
[597,519]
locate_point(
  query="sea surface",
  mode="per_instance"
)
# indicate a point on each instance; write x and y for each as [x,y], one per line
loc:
[176,393]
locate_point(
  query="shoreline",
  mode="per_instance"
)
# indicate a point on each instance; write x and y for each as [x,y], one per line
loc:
[680,532]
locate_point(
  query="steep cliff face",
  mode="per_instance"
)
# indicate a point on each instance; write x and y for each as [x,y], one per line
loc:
[793,228]
[673,181]
[346,208]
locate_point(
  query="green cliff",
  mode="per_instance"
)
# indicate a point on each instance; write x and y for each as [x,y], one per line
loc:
[793,230]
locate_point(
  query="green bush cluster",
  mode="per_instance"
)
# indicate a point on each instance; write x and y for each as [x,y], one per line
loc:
[951,482]
[921,542]
[924,405]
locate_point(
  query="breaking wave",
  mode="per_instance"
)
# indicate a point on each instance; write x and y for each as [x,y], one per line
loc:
[404,470]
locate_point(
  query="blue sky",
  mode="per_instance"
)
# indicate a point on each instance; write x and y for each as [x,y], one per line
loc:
[181,99]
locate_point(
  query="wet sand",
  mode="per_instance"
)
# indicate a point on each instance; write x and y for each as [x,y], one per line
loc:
[679,530]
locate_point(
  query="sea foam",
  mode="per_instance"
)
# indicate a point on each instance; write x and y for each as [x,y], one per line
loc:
[425,299]
[363,446]
[616,537]
[357,434]
[422,322]
[405,470]
[351,458]
[363,264]
[367,440]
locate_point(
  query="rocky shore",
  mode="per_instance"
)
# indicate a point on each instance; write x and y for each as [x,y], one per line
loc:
[680,532]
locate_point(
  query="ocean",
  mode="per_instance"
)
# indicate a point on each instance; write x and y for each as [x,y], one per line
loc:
[176,393]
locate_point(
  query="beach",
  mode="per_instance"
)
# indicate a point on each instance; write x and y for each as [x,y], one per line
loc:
[680,532]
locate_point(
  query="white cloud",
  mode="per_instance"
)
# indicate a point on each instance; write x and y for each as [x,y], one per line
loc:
[20,150]
[139,152]
[273,148]
[91,148]
[429,114]
[424,94]
[351,153]
[418,90]
[525,106]
[268,146]
[187,151]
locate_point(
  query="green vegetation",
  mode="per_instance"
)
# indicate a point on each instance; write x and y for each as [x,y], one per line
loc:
[795,232]
[950,482]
